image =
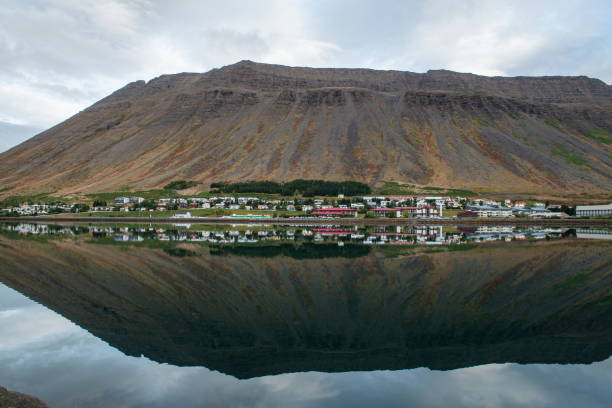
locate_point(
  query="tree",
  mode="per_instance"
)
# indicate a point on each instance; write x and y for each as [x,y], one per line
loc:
[180,185]
[76,208]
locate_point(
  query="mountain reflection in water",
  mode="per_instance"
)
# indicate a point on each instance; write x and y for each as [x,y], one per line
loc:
[272,307]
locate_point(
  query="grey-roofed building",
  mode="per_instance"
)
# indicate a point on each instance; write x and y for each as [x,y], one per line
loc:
[593,210]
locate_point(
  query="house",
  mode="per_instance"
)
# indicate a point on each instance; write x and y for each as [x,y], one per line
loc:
[548,214]
[490,212]
[122,200]
[383,211]
[424,211]
[98,209]
[439,201]
[400,199]
[136,200]
[453,204]
[593,210]
[182,214]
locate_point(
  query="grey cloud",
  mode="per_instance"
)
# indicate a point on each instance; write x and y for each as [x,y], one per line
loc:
[11,135]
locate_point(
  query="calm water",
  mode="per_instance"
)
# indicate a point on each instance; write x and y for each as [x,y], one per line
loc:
[325,316]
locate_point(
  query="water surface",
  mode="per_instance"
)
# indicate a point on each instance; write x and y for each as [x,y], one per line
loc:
[306,316]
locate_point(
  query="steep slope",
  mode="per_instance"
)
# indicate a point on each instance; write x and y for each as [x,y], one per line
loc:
[259,121]
[546,302]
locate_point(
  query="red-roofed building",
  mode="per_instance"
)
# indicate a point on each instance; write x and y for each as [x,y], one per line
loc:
[467,214]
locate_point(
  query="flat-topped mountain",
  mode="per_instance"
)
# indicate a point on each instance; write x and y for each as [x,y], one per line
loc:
[251,121]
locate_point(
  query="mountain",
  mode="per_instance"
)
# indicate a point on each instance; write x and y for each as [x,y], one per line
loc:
[258,121]
[530,302]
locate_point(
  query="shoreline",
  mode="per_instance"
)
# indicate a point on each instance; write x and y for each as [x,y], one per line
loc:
[335,221]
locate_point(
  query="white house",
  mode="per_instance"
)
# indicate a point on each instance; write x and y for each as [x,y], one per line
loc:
[182,214]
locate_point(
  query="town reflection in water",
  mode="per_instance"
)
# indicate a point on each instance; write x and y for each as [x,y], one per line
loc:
[357,234]
[260,300]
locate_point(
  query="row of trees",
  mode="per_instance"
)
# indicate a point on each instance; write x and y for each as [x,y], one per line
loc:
[306,188]
[180,185]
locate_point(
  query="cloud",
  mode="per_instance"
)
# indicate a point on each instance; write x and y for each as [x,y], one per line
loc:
[12,134]
[59,56]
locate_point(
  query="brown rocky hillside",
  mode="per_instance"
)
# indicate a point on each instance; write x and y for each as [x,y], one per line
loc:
[256,121]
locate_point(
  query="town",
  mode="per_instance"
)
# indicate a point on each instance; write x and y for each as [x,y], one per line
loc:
[421,207]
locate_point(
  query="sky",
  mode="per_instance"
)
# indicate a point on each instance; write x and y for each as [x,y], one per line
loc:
[46,355]
[59,56]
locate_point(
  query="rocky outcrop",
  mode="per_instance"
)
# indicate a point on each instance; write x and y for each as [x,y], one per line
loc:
[261,121]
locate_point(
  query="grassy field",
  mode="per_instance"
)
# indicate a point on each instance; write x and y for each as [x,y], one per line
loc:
[393,188]
[450,213]
[38,198]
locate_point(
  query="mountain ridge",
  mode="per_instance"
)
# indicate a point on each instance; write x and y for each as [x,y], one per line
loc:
[261,121]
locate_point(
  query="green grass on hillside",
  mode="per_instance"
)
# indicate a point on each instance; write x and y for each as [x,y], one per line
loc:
[569,157]
[38,198]
[600,136]
[394,188]
[481,122]
[555,124]
[146,194]
[157,194]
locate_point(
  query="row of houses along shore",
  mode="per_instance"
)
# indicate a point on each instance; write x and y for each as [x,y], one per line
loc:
[367,206]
